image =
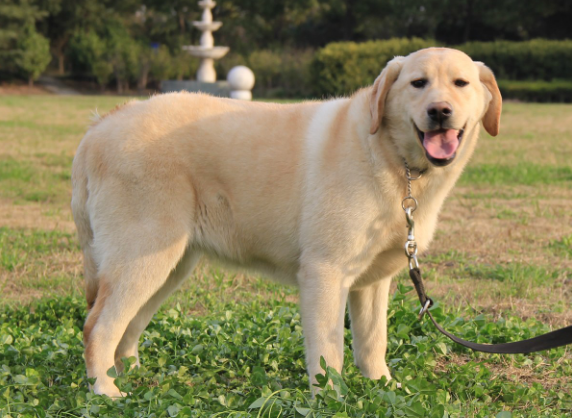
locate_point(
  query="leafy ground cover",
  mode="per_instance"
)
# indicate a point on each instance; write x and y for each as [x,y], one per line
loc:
[230,345]
[247,359]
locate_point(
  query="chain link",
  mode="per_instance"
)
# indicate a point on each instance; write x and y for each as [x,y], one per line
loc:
[409,205]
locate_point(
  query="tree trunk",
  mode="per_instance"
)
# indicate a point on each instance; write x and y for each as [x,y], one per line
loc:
[118,79]
[143,77]
[30,81]
[349,21]
[61,62]
[182,23]
[58,48]
[119,84]
[468,22]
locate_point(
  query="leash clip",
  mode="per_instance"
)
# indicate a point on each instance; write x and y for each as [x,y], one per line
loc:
[413,262]
[425,308]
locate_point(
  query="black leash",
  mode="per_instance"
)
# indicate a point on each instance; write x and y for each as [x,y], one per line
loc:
[546,341]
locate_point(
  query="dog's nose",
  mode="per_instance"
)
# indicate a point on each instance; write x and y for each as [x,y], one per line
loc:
[439,111]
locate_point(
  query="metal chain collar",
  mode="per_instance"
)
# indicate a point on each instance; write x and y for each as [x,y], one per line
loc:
[409,205]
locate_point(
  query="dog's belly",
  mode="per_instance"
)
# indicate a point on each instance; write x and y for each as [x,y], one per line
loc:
[277,260]
[258,265]
[240,238]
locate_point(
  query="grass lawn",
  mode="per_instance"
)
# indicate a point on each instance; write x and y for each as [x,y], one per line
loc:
[231,345]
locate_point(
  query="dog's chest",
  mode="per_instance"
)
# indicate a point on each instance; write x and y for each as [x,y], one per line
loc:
[388,257]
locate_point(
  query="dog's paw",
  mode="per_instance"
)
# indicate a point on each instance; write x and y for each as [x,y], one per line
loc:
[110,390]
[376,371]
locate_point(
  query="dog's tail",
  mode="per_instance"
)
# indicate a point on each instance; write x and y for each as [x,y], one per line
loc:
[80,194]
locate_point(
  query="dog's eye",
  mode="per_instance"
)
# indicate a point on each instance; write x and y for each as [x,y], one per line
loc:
[419,84]
[461,83]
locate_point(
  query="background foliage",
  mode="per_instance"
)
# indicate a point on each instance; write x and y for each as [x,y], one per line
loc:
[128,44]
[340,68]
[343,67]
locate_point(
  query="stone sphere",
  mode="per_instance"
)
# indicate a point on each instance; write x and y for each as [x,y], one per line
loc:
[240,78]
[241,94]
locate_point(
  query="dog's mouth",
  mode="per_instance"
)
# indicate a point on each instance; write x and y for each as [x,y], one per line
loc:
[441,144]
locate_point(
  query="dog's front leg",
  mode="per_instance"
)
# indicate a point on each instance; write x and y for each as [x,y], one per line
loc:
[368,315]
[322,303]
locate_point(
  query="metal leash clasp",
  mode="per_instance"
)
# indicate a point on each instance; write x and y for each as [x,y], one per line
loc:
[411,244]
[425,308]
[409,205]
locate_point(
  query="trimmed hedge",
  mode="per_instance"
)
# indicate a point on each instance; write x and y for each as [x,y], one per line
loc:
[340,68]
[538,59]
[556,91]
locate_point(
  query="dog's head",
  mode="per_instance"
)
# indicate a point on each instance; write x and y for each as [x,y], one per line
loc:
[431,103]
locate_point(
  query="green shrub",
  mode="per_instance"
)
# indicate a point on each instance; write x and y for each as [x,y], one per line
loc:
[284,73]
[90,52]
[124,55]
[538,59]
[162,64]
[33,54]
[342,67]
[102,71]
[266,65]
[295,74]
[537,91]
[85,48]
[184,66]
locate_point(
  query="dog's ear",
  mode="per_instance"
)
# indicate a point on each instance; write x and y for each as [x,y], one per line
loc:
[380,89]
[491,120]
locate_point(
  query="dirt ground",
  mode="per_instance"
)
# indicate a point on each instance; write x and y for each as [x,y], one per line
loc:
[21,89]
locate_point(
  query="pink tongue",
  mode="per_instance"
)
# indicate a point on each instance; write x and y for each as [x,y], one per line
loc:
[441,144]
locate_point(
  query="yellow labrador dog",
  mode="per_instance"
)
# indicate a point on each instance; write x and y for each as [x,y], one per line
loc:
[309,194]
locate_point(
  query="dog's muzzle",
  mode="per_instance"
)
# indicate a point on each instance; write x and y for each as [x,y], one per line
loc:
[441,145]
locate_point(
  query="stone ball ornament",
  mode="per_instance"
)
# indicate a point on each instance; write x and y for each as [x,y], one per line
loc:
[241,81]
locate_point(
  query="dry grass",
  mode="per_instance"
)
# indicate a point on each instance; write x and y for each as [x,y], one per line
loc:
[499,230]
[481,228]
[497,234]
[46,276]
[20,88]
[536,133]
[35,215]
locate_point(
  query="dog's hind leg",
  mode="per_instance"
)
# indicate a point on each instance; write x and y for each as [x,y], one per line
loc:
[129,276]
[128,347]
[85,236]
